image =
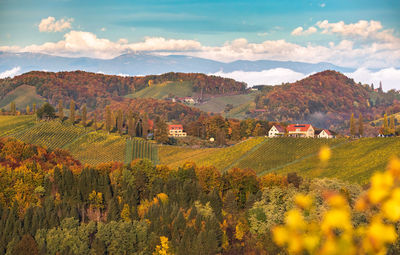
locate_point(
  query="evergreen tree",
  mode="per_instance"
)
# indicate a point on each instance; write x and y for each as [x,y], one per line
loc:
[380,87]
[13,108]
[34,108]
[84,115]
[72,111]
[61,110]
[108,119]
[352,126]
[360,125]
[28,110]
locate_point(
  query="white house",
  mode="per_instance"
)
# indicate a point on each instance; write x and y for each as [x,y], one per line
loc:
[176,131]
[276,131]
[300,130]
[325,134]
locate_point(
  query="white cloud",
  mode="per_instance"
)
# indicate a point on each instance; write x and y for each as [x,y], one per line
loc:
[322,5]
[10,73]
[266,77]
[362,29]
[390,77]
[103,29]
[50,24]
[301,31]
[347,52]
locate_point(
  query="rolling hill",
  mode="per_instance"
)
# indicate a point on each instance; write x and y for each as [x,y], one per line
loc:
[23,96]
[85,144]
[325,99]
[352,160]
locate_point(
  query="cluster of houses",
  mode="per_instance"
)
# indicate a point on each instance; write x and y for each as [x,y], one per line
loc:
[186,100]
[299,130]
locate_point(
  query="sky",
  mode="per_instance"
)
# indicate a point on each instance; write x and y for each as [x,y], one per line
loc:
[362,34]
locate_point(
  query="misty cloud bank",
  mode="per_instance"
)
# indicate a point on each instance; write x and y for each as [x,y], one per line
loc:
[390,77]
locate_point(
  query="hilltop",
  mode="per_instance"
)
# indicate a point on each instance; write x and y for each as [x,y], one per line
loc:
[325,99]
[97,90]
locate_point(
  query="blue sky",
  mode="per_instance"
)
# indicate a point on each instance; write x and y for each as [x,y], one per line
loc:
[209,22]
[354,33]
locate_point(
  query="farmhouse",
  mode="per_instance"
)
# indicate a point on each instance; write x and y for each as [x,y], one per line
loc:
[276,131]
[325,133]
[176,131]
[300,130]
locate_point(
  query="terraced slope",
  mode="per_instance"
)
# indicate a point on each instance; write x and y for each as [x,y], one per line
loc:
[98,147]
[10,125]
[221,158]
[353,161]
[51,134]
[277,152]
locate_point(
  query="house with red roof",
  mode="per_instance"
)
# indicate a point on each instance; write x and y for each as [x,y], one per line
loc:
[176,131]
[324,133]
[300,130]
[276,131]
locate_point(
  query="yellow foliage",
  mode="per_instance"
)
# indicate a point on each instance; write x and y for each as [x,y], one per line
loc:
[325,153]
[335,233]
[164,247]
[126,213]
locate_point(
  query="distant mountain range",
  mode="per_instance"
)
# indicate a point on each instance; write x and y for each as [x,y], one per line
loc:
[144,64]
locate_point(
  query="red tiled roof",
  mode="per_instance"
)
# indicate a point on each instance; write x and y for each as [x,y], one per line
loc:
[301,127]
[280,128]
[175,127]
[327,131]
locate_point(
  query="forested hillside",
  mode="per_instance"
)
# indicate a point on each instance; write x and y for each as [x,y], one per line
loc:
[326,98]
[97,90]
[51,204]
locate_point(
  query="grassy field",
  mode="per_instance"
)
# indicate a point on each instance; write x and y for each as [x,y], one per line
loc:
[162,90]
[353,161]
[218,104]
[22,96]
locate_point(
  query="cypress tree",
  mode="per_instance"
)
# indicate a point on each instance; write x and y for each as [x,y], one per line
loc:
[84,115]
[34,108]
[361,125]
[61,110]
[145,124]
[385,124]
[13,108]
[108,119]
[392,125]
[352,125]
[131,125]
[28,109]
[72,111]
[120,121]
[95,121]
